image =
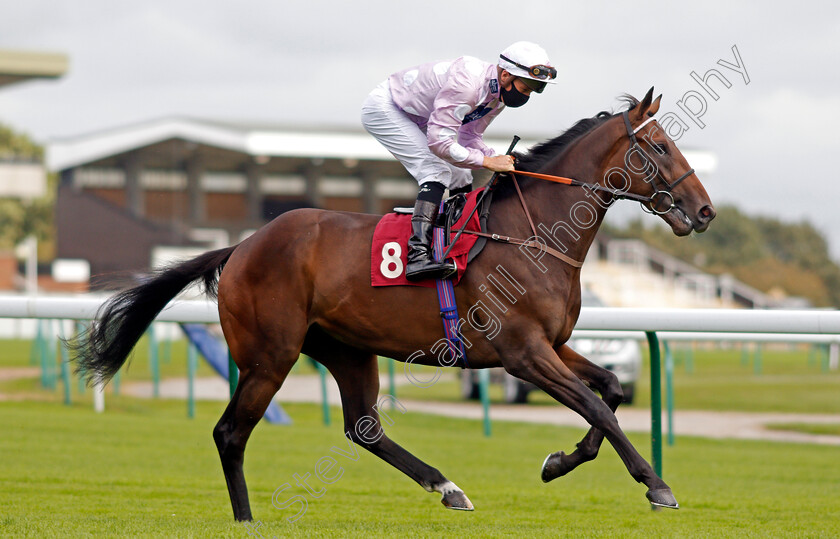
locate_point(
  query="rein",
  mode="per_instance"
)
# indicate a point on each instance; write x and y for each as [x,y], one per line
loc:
[615,193]
[592,186]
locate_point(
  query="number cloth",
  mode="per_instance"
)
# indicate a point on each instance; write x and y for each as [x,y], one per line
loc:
[388,249]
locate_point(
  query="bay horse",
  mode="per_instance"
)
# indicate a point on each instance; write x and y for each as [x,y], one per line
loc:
[301,284]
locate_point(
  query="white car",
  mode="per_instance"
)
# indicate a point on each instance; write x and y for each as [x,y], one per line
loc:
[621,356]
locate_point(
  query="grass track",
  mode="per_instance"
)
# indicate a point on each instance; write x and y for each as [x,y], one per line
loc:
[143,469]
[832,429]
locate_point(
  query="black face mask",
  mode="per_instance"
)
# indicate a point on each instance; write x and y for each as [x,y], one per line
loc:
[513,98]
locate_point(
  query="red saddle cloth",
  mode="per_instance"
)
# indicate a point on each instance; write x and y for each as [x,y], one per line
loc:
[389,247]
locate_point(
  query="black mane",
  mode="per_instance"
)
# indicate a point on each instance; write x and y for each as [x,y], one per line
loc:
[544,152]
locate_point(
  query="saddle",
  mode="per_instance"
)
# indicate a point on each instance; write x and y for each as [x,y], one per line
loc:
[388,246]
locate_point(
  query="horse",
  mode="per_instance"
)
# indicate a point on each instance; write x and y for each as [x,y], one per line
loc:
[301,284]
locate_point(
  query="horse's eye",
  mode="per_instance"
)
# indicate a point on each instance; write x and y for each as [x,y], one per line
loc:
[662,148]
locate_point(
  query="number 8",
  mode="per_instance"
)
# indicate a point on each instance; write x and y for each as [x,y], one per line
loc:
[391,252]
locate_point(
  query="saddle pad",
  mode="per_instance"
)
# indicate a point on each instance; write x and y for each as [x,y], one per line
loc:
[388,249]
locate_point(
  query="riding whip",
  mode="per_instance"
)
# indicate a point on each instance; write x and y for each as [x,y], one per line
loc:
[489,188]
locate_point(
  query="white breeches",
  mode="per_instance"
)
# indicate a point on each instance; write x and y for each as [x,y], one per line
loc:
[384,120]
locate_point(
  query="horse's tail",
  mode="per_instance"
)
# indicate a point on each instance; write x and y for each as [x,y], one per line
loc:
[103,348]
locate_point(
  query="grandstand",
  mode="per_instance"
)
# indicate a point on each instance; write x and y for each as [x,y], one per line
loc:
[629,273]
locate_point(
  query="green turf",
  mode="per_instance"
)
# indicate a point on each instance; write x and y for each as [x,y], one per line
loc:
[785,380]
[16,352]
[832,429]
[142,469]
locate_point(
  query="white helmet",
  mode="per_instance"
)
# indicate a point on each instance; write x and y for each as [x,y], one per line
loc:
[528,60]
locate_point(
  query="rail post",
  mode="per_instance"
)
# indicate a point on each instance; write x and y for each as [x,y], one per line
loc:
[833,360]
[98,397]
[52,355]
[325,404]
[40,342]
[669,390]
[35,348]
[81,380]
[392,384]
[66,379]
[233,374]
[824,353]
[655,401]
[484,392]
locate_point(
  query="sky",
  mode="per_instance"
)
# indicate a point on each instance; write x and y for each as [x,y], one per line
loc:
[312,64]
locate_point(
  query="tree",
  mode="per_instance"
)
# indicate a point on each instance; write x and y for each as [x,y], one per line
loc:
[763,252]
[18,147]
[21,218]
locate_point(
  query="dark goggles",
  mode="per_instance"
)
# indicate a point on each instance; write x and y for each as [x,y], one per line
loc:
[541,72]
[535,85]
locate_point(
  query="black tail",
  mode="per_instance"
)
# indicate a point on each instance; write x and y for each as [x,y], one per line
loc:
[103,348]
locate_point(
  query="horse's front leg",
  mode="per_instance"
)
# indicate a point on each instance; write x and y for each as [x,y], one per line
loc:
[542,366]
[606,383]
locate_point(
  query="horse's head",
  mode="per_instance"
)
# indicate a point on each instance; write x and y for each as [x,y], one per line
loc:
[646,158]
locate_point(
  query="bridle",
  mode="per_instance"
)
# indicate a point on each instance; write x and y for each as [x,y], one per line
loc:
[648,203]
[669,187]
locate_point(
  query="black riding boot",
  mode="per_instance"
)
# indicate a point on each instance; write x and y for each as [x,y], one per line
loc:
[421,263]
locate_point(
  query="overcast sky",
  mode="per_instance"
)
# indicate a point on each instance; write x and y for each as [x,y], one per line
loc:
[313,63]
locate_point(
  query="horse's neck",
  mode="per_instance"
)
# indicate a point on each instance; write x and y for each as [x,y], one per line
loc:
[567,217]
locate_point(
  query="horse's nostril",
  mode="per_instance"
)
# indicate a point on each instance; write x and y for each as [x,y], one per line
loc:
[706,214]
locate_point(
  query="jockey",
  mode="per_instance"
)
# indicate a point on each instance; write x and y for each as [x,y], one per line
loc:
[432,118]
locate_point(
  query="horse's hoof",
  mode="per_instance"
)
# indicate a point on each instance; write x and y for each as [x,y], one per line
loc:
[456,499]
[662,497]
[553,467]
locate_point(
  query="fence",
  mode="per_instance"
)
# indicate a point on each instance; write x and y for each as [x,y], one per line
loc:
[818,325]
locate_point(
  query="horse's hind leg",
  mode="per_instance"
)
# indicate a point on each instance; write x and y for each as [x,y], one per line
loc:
[559,464]
[253,394]
[357,375]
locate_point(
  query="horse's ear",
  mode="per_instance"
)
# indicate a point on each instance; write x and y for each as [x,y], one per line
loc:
[654,107]
[642,108]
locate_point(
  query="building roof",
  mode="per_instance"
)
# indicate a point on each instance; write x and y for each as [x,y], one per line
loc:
[253,140]
[17,66]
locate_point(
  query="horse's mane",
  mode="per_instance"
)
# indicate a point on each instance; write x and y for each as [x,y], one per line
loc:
[544,152]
